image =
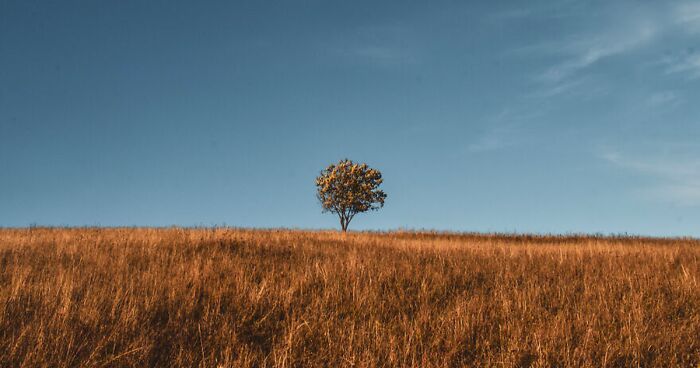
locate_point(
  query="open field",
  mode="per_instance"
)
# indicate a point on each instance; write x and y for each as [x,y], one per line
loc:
[254,298]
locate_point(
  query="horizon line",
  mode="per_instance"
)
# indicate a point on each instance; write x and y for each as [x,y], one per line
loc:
[417,231]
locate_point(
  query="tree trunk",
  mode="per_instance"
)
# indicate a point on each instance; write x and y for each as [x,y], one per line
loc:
[345,221]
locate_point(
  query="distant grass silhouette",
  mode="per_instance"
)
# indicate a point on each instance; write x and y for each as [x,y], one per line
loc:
[275,298]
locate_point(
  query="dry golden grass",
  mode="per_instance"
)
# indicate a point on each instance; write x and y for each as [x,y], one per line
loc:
[244,298]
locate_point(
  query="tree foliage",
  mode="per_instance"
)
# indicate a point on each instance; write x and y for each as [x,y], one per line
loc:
[348,188]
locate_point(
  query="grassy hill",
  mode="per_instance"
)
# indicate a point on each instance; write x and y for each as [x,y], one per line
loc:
[278,298]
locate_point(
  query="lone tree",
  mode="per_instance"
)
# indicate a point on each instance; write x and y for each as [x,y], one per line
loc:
[348,188]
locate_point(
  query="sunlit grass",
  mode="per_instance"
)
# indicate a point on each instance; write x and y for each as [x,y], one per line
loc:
[239,298]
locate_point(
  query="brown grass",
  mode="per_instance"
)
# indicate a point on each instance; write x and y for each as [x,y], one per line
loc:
[244,298]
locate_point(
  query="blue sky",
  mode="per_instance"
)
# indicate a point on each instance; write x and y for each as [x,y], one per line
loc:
[538,116]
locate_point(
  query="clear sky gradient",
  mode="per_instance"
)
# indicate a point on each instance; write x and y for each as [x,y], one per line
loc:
[537,116]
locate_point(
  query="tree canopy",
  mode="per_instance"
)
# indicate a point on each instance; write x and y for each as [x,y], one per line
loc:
[348,188]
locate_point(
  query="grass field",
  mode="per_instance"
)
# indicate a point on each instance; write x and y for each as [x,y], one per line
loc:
[258,298]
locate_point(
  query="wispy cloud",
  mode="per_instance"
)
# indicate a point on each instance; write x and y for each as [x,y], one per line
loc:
[687,15]
[384,46]
[680,20]
[505,129]
[657,167]
[679,194]
[677,181]
[583,51]
[591,36]
[664,99]
[545,10]
[494,139]
[556,89]
[688,65]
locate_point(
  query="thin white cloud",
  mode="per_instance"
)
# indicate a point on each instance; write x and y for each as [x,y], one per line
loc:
[688,65]
[586,50]
[494,139]
[383,46]
[561,88]
[658,167]
[664,99]
[678,181]
[687,15]
[680,21]
[678,194]
[612,32]
[504,130]
[615,30]
[548,10]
